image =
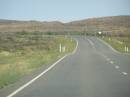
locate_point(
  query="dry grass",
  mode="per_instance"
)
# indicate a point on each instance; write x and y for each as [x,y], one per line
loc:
[21,54]
[119,43]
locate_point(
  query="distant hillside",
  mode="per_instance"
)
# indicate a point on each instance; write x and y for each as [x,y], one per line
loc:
[117,25]
[30,26]
[114,25]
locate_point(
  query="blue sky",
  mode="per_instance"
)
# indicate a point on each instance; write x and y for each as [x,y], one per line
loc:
[62,10]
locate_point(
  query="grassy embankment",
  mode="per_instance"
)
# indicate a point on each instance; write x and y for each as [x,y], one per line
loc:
[22,53]
[119,43]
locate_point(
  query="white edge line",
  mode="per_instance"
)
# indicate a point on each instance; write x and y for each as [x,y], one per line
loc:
[77,43]
[41,74]
[112,47]
[109,46]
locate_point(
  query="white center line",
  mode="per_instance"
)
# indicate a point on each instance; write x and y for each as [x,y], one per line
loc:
[108,59]
[111,62]
[124,73]
[117,67]
[92,44]
[104,55]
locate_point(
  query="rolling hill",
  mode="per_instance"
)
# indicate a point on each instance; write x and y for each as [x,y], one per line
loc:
[113,25]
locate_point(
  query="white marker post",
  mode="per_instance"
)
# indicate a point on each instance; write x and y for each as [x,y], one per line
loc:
[60,48]
[127,49]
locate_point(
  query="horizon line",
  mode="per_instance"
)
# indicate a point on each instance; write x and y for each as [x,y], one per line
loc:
[61,21]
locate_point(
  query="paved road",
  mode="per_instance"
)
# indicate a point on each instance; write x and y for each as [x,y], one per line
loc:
[95,70]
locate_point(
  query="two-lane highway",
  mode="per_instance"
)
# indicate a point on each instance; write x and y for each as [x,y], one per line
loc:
[94,70]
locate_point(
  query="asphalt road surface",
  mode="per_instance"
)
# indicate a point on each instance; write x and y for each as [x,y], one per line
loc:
[94,70]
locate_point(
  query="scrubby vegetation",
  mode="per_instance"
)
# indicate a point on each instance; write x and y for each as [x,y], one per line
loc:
[112,25]
[22,53]
[119,43]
